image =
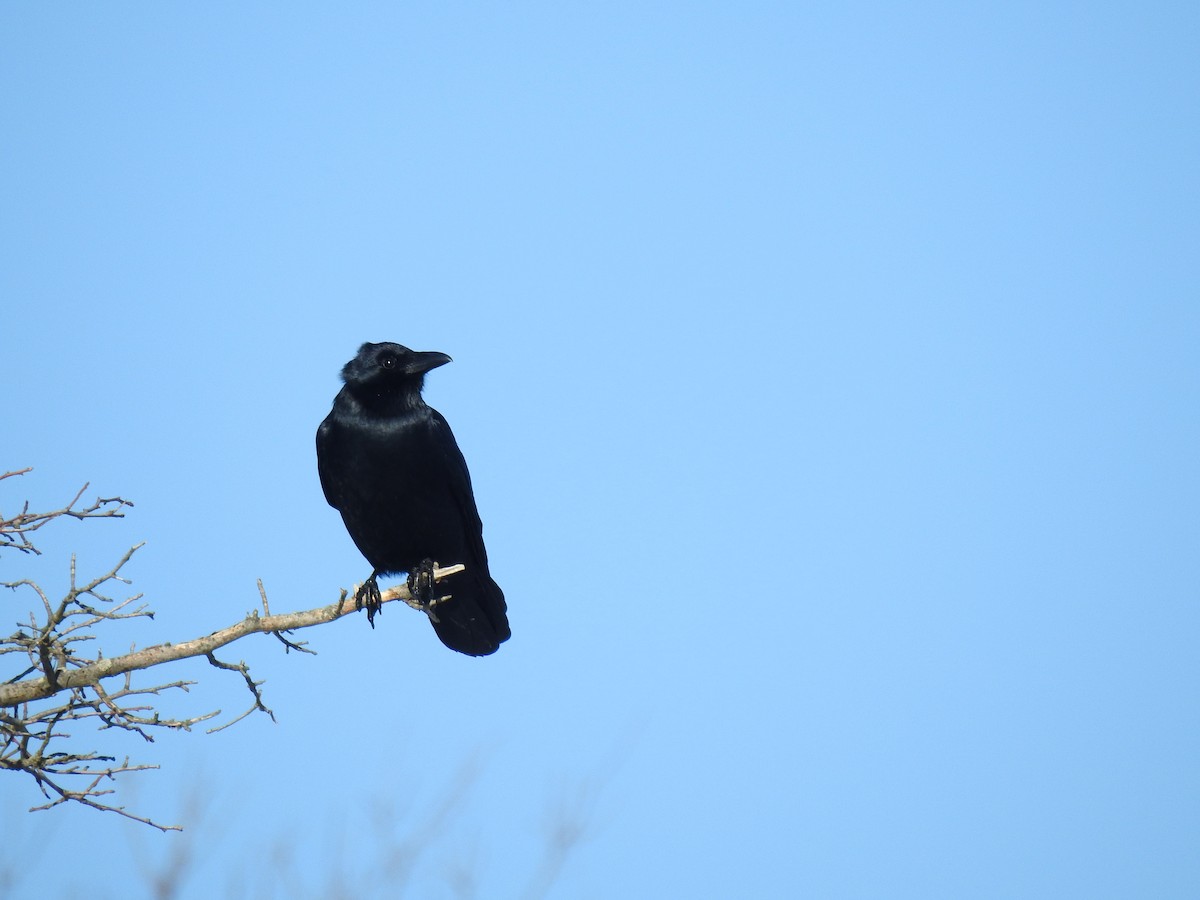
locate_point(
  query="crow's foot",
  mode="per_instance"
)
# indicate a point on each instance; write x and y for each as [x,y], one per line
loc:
[368,595]
[420,585]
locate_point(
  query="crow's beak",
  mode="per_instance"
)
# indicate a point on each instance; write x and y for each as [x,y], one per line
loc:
[423,361]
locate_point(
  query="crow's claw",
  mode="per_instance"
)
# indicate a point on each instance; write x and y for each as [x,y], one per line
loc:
[368,595]
[420,585]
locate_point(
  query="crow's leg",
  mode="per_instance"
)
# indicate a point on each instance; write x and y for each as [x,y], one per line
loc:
[368,595]
[420,585]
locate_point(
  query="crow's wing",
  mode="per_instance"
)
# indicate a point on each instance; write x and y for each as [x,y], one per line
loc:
[459,478]
[328,453]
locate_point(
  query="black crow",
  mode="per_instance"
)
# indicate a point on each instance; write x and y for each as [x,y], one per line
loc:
[389,463]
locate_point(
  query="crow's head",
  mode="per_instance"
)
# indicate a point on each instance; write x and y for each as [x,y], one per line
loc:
[387,368]
[390,362]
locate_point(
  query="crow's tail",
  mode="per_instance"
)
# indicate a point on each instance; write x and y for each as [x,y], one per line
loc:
[474,620]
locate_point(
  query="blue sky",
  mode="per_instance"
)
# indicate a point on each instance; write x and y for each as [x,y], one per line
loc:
[828,375]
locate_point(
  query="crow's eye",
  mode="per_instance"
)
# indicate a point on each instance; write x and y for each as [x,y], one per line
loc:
[388,362]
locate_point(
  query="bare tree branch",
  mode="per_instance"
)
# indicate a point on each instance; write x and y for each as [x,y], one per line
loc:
[54,664]
[284,623]
[15,530]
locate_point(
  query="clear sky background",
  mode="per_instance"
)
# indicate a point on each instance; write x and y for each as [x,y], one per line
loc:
[829,378]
